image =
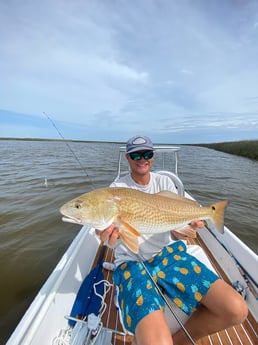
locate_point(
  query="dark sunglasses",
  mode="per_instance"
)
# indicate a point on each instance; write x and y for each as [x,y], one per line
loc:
[136,156]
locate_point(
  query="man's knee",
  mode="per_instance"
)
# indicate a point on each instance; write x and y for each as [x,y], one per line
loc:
[238,310]
[153,329]
[226,303]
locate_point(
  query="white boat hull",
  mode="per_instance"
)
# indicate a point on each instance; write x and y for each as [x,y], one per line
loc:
[45,316]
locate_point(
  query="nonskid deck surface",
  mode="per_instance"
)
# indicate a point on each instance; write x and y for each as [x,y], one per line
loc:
[244,334]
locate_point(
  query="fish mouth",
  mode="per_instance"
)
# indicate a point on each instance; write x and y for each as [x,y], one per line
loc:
[71,220]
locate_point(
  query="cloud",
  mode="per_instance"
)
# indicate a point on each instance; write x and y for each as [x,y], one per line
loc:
[161,66]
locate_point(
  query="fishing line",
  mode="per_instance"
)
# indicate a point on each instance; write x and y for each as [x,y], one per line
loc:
[70,148]
[168,305]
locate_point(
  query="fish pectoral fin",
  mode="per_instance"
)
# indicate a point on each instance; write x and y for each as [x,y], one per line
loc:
[128,228]
[187,231]
[177,197]
[130,241]
[129,236]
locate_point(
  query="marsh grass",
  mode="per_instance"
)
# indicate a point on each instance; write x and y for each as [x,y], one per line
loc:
[245,148]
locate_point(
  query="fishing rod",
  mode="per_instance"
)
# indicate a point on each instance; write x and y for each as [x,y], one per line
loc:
[168,305]
[70,148]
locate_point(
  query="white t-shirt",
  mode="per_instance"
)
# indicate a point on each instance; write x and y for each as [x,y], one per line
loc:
[149,245]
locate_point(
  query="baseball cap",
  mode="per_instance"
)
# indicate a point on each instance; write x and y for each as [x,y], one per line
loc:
[138,143]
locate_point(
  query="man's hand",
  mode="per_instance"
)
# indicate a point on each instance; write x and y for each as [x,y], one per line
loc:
[192,226]
[110,234]
[197,224]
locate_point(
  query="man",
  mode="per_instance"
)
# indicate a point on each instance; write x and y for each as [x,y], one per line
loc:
[212,304]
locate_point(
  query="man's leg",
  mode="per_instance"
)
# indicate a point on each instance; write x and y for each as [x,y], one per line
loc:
[220,308]
[152,330]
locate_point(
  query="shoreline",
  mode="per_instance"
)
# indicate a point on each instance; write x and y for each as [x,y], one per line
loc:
[243,148]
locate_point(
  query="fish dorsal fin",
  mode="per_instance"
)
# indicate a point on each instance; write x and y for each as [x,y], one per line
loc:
[129,236]
[176,197]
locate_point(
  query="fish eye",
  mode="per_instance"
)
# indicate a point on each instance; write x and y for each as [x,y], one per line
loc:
[78,204]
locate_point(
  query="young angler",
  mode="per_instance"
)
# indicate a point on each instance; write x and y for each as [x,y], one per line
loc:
[213,304]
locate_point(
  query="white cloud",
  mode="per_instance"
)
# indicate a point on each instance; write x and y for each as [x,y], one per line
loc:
[169,66]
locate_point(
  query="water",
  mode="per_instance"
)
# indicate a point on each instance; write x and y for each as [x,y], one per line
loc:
[37,177]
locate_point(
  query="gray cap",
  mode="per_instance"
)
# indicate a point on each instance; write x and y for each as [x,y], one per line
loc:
[138,143]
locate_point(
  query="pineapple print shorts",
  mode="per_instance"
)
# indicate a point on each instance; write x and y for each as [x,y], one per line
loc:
[180,275]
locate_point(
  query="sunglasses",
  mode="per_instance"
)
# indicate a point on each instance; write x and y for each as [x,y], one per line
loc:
[136,156]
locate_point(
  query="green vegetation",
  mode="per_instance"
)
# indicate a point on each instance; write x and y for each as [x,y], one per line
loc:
[247,148]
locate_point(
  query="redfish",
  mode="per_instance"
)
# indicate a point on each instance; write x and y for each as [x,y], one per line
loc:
[135,212]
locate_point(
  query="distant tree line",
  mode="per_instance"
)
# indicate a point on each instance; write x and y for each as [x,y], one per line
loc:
[245,148]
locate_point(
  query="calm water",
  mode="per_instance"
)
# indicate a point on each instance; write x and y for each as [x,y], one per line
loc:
[38,177]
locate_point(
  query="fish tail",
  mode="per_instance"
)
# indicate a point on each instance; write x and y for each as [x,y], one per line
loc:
[218,211]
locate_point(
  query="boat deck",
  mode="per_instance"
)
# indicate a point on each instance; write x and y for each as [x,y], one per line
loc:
[244,334]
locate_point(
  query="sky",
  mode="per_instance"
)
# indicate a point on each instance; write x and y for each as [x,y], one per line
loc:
[179,71]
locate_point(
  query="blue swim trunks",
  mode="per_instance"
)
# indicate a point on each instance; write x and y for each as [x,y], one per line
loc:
[180,275]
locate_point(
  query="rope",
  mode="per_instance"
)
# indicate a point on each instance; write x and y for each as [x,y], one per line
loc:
[107,287]
[85,331]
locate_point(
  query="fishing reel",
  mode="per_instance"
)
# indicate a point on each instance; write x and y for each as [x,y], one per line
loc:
[240,288]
